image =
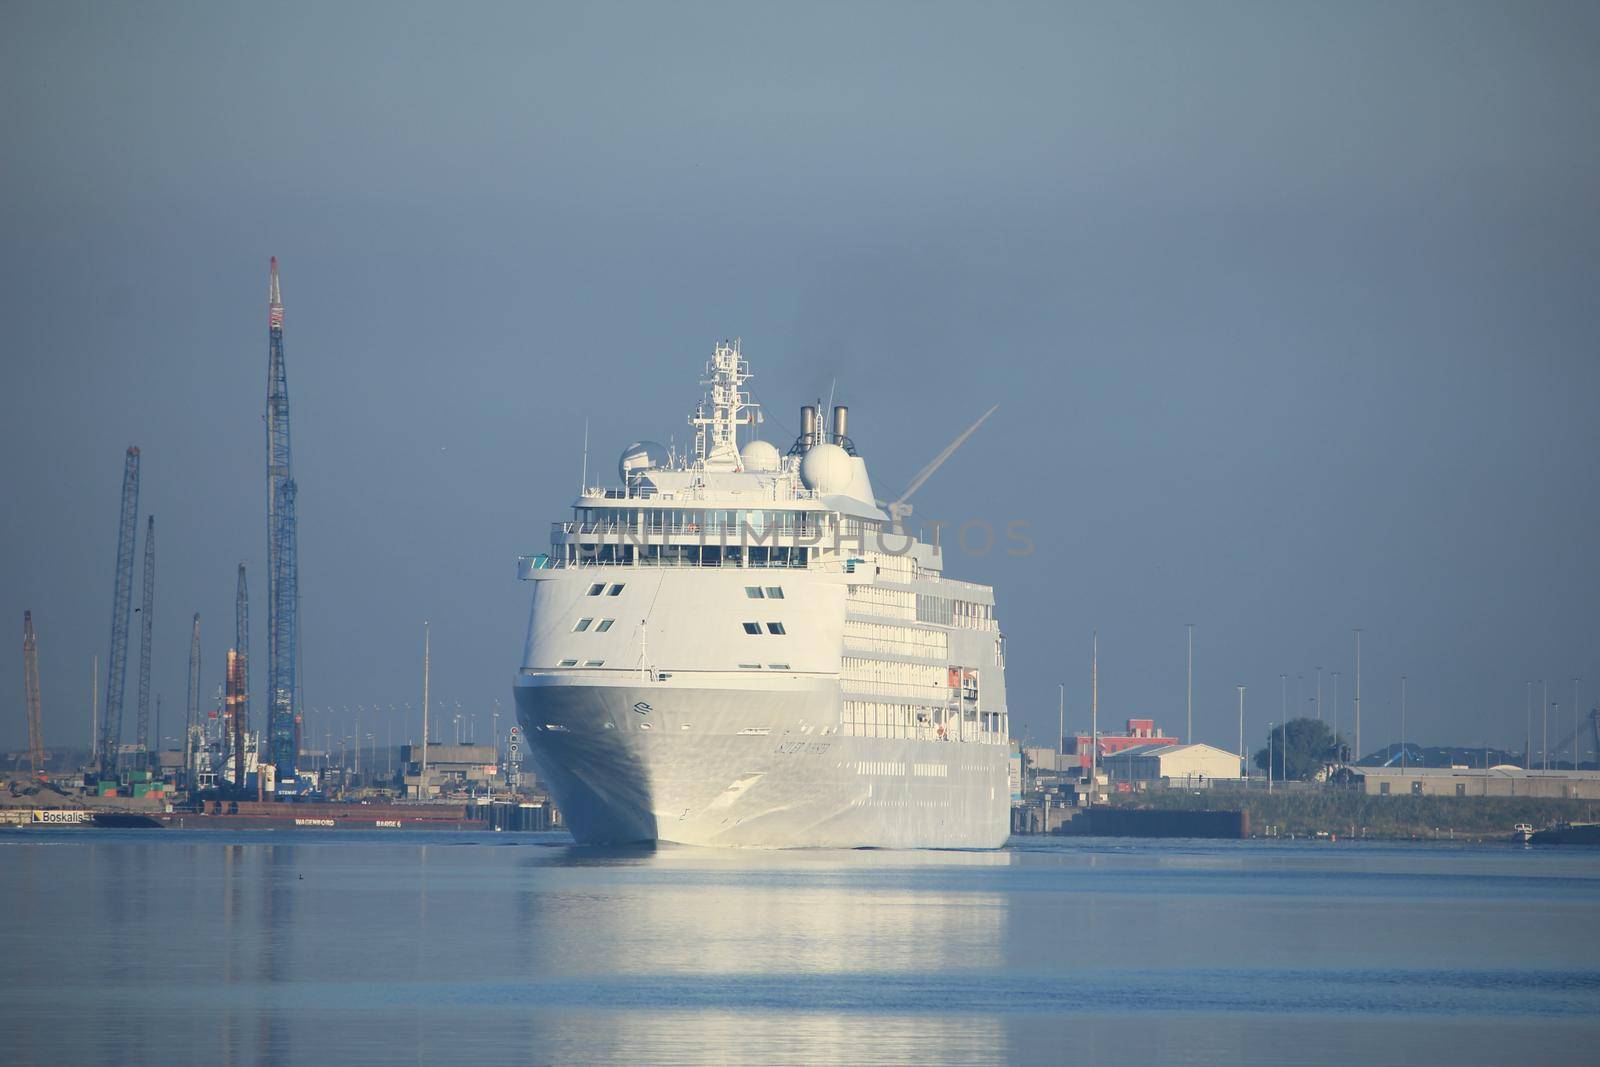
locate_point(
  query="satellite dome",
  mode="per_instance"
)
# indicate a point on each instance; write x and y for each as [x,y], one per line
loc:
[826,469]
[759,456]
[641,456]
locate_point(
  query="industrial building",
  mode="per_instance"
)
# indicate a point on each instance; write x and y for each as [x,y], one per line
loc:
[1501,781]
[1168,763]
[1140,733]
[451,768]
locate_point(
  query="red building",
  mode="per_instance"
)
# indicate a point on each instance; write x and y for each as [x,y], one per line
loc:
[1140,732]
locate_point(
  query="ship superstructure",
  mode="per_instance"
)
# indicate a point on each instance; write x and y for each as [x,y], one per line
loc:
[739,646]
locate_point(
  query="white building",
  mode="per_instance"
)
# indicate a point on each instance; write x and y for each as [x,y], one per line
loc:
[1194,764]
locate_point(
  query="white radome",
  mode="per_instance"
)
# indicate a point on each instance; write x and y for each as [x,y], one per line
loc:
[826,469]
[641,456]
[759,456]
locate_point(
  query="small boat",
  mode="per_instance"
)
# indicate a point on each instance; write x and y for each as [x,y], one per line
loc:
[1522,832]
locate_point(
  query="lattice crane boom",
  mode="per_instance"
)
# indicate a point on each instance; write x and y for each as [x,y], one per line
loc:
[121,611]
[283,591]
[146,633]
[30,684]
[241,644]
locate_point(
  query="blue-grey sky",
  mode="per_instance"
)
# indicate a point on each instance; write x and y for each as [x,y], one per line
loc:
[1290,309]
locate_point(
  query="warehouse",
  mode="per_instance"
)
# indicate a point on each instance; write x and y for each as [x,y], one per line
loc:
[1168,764]
[1501,781]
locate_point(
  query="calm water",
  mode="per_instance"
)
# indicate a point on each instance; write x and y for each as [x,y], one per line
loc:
[282,946]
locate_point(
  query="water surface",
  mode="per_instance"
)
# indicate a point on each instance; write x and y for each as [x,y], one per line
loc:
[281,946]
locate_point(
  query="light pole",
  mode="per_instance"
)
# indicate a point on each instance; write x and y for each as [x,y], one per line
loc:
[1061,718]
[1544,745]
[1358,695]
[1244,771]
[1284,678]
[1402,723]
[1319,694]
[1336,716]
[1555,709]
[1269,758]
[1094,716]
[1527,743]
[1188,730]
[422,780]
[1574,722]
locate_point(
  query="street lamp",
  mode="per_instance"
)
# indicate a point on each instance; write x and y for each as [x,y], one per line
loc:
[1244,771]
[1269,758]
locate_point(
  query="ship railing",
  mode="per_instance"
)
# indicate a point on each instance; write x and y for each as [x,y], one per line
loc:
[688,529]
[545,561]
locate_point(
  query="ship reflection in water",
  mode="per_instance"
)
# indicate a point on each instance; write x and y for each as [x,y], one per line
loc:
[246,947]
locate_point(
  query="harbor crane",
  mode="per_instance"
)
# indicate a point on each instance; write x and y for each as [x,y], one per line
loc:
[146,632]
[30,684]
[121,612]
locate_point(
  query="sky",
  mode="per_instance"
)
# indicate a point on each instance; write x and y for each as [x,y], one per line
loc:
[1289,309]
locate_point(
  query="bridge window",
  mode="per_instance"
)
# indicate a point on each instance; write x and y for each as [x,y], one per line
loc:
[594,663]
[568,663]
[775,628]
[752,627]
[753,592]
[605,624]
[616,590]
[597,589]
[583,624]
[775,592]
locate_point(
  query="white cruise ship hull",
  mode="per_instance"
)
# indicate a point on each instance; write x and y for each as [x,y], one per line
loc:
[632,760]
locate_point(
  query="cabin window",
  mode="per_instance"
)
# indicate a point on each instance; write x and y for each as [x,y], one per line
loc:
[775,592]
[777,666]
[583,624]
[568,663]
[616,590]
[753,592]
[1383,789]
[597,589]
[594,663]
[752,627]
[605,624]
[749,666]
[775,628]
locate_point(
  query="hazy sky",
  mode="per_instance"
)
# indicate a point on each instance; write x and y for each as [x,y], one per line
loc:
[1290,310]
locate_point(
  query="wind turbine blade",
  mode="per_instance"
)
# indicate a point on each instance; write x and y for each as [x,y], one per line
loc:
[938,461]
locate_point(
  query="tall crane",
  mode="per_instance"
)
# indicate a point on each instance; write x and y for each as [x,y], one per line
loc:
[283,583]
[193,710]
[30,685]
[121,610]
[191,742]
[146,630]
[241,645]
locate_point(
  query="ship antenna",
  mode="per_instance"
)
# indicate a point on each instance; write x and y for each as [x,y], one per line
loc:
[583,478]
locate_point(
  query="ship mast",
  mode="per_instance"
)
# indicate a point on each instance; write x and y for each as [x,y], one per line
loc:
[725,408]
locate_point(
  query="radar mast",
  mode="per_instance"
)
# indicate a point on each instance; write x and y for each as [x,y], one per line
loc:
[725,408]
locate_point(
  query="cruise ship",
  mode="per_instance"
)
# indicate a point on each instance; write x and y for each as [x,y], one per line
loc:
[742,646]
